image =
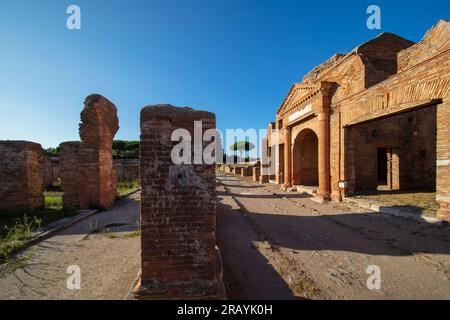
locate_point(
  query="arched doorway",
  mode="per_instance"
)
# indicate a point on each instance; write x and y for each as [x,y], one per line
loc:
[305,159]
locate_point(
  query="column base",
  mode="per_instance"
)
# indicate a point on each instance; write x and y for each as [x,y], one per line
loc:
[336,197]
[184,290]
[322,197]
[193,290]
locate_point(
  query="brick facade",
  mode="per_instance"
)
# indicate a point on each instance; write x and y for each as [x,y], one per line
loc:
[178,211]
[387,102]
[21,176]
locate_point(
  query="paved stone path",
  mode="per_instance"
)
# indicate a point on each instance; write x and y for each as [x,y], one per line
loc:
[109,261]
[283,245]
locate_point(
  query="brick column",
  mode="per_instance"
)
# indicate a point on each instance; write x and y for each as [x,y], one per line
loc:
[178,211]
[443,160]
[256,172]
[324,162]
[264,167]
[287,158]
[99,124]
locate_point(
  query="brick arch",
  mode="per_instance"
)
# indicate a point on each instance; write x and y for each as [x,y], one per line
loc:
[305,156]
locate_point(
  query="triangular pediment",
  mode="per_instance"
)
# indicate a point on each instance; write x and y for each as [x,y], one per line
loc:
[297,93]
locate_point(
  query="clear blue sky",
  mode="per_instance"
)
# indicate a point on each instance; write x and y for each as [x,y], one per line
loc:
[235,58]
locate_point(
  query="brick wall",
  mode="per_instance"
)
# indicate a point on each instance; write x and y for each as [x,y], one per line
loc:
[21,176]
[51,170]
[126,169]
[70,173]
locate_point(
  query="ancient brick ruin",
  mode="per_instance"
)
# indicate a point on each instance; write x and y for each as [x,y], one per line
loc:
[178,211]
[51,170]
[70,173]
[126,169]
[21,172]
[377,116]
[90,161]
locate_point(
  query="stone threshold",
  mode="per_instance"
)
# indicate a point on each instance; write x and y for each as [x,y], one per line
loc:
[306,189]
[393,211]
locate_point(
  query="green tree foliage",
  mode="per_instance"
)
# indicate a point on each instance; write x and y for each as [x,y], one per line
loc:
[121,150]
[52,152]
[242,146]
[125,149]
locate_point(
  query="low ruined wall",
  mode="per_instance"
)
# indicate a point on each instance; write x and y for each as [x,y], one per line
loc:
[127,169]
[51,170]
[70,173]
[21,176]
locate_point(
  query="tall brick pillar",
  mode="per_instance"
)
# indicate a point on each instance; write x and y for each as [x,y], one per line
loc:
[287,157]
[99,124]
[443,160]
[324,191]
[88,177]
[178,211]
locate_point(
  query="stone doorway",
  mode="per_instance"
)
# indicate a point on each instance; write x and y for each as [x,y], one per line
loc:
[305,159]
[388,170]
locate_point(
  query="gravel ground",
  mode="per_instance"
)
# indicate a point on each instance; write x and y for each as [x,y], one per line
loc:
[274,245]
[280,245]
[109,260]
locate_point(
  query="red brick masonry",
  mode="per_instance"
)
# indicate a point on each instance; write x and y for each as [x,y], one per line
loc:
[21,172]
[90,161]
[178,212]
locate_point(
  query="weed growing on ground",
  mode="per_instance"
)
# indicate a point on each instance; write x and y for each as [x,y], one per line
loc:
[94,226]
[17,234]
[15,264]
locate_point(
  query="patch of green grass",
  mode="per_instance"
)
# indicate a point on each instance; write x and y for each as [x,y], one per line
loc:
[133,234]
[126,187]
[17,228]
[53,200]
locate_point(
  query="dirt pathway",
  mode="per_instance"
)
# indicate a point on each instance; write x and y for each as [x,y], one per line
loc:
[283,245]
[108,260]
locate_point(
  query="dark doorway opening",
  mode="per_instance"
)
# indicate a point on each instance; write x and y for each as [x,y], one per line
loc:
[306,159]
[382,159]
